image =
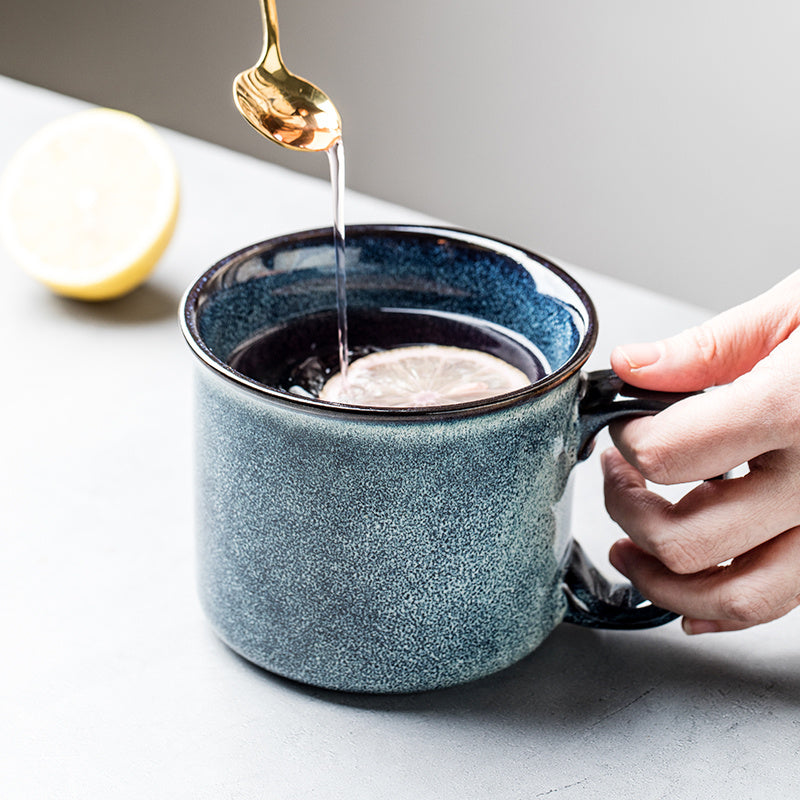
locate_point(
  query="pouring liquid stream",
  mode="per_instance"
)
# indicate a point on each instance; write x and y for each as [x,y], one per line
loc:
[335,155]
[411,357]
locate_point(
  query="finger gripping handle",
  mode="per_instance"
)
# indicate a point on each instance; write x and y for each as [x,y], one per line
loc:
[607,397]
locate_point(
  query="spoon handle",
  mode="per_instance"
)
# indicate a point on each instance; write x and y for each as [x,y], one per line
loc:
[271,53]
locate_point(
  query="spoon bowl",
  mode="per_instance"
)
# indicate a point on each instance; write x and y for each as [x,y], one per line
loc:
[282,106]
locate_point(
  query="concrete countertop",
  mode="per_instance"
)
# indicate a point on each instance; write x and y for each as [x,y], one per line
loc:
[112,685]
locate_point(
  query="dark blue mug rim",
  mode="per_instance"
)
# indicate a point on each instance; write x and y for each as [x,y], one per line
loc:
[189,328]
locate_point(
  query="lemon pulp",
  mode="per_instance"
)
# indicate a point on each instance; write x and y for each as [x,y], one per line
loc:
[423,375]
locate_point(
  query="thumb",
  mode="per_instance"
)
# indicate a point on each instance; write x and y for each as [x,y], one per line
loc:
[716,352]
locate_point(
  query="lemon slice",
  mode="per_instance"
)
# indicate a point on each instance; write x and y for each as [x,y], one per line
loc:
[423,375]
[89,203]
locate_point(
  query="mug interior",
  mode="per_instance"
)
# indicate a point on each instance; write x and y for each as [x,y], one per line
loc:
[398,267]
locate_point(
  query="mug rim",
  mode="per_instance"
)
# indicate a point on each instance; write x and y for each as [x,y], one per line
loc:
[188,323]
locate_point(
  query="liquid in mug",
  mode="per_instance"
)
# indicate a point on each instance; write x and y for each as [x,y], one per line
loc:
[301,355]
[463,359]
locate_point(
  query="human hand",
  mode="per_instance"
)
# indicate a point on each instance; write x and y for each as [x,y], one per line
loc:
[673,556]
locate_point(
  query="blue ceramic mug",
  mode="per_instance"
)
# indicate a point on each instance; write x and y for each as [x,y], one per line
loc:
[396,550]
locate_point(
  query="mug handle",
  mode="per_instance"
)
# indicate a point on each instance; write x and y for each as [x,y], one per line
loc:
[592,600]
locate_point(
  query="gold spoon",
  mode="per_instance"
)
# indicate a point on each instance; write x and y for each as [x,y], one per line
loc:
[279,105]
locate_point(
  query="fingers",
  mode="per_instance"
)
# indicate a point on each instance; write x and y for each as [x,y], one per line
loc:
[714,522]
[673,555]
[696,439]
[711,433]
[756,588]
[718,351]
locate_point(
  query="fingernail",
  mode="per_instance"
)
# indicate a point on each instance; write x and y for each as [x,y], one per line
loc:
[617,558]
[693,627]
[640,355]
[604,457]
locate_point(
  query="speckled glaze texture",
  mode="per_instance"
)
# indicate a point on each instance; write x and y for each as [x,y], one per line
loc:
[376,550]
[380,556]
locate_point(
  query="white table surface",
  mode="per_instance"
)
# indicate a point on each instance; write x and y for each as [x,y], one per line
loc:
[112,685]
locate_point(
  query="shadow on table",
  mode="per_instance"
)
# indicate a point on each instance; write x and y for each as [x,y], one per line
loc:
[148,303]
[581,678]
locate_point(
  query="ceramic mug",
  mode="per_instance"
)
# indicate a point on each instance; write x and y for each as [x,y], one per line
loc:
[396,550]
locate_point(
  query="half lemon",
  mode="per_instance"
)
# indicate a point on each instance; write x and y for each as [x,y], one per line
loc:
[89,203]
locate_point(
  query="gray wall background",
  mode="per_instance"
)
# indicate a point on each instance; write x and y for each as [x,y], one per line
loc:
[652,141]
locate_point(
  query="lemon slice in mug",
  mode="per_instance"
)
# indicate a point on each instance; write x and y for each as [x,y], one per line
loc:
[423,375]
[89,203]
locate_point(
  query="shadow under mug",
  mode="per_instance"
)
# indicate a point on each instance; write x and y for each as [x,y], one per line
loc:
[397,550]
